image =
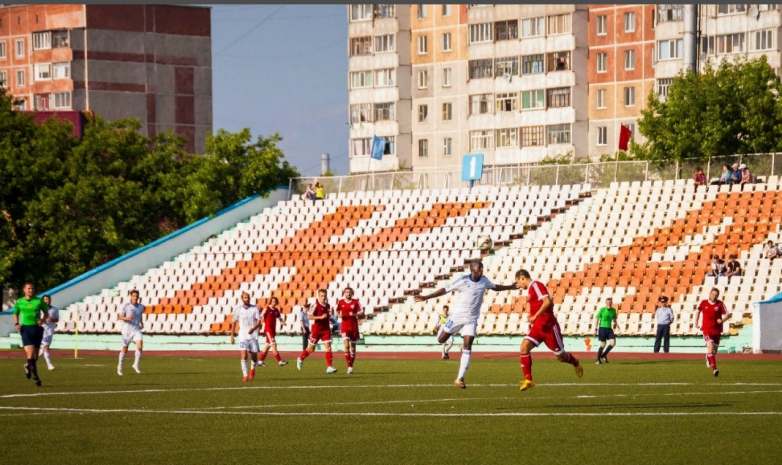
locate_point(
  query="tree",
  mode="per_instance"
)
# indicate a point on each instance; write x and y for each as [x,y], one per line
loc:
[733,108]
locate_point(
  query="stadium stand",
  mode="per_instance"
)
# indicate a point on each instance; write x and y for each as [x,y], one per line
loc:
[633,242]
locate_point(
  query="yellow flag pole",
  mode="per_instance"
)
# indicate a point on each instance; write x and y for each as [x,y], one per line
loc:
[76,338]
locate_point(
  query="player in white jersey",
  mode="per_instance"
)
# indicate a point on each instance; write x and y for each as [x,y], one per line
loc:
[130,316]
[49,325]
[248,318]
[465,314]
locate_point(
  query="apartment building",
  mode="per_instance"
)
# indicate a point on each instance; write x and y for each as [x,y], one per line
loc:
[152,62]
[379,80]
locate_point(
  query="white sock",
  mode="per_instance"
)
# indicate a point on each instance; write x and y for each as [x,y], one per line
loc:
[253,363]
[465,363]
[443,349]
[47,358]
[121,357]
[138,357]
[244,368]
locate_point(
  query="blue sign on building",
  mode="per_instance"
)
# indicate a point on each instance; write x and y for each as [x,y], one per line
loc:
[472,167]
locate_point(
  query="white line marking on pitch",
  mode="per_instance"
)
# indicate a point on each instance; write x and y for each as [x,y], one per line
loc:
[364,386]
[411,402]
[391,414]
[713,393]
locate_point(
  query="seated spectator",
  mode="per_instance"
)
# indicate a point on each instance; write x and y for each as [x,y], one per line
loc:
[310,194]
[725,176]
[771,251]
[746,175]
[699,178]
[319,193]
[717,267]
[735,174]
[734,267]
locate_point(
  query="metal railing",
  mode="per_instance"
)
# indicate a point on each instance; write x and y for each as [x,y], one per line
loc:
[598,175]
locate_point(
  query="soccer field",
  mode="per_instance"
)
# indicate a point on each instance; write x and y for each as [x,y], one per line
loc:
[198,410]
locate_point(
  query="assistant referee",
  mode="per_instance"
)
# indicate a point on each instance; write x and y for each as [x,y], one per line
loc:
[33,313]
[606,321]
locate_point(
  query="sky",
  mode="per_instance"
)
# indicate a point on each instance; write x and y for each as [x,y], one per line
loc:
[286,74]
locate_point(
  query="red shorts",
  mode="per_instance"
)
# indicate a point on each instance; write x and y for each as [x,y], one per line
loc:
[270,337]
[320,334]
[549,334]
[713,338]
[349,332]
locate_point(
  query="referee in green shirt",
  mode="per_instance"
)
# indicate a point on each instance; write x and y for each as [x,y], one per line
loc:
[604,330]
[33,313]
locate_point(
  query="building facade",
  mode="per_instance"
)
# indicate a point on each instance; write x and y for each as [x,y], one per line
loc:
[152,62]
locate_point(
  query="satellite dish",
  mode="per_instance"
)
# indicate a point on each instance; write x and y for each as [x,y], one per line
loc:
[753,12]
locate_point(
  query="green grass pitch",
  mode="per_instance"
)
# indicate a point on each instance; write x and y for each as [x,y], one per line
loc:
[198,410]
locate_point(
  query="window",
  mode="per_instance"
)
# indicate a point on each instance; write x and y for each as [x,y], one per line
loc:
[446,10]
[447,77]
[19,44]
[360,12]
[602,135]
[447,146]
[2,51]
[559,24]
[384,43]
[533,100]
[421,11]
[42,40]
[532,136]
[508,66]
[361,113]
[423,113]
[384,11]
[602,25]
[532,27]
[670,49]
[447,111]
[558,61]
[384,77]
[480,140]
[447,42]
[422,49]
[602,62]
[630,22]
[384,111]
[360,79]
[361,147]
[61,70]
[629,94]
[730,9]
[532,64]
[763,40]
[41,102]
[480,33]
[508,137]
[559,134]
[480,69]
[20,78]
[22,105]
[481,104]
[360,46]
[629,59]
[423,148]
[730,43]
[670,13]
[423,79]
[707,45]
[600,99]
[662,87]
[506,30]
[559,98]
[3,79]
[42,72]
[390,148]
[508,101]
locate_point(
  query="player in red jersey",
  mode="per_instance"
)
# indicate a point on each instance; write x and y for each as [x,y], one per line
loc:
[350,311]
[714,314]
[320,315]
[269,317]
[544,328]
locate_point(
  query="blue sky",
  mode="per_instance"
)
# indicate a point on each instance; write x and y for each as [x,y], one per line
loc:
[288,75]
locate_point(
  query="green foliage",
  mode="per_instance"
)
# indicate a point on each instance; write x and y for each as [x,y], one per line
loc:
[67,206]
[619,155]
[733,108]
[559,159]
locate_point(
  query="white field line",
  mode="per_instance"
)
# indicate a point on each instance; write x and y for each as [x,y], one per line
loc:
[713,393]
[411,402]
[363,386]
[391,414]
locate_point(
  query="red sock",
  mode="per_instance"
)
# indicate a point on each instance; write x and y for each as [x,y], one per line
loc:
[277,356]
[304,355]
[571,360]
[329,358]
[526,366]
[262,356]
[348,359]
[712,361]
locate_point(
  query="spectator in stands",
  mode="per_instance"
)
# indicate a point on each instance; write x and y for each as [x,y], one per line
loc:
[310,194]
[699,178]
[717,267]
[771,251]
[746,175]
[664,321]
[735,174]
[304,325]
[319,194]
[725,176]
[734,267]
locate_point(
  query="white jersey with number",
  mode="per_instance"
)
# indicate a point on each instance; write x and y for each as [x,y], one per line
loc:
[247,318]
[468,309]
[48,328]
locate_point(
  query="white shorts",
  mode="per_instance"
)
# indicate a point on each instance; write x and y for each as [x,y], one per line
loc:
[47,339]
[131,335]
[250,345]
[467,328]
